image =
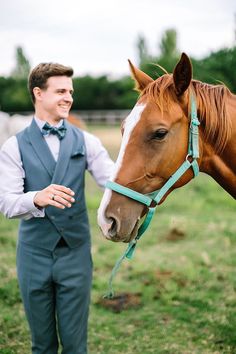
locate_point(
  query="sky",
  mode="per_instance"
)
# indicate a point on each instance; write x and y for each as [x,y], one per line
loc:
[97,37]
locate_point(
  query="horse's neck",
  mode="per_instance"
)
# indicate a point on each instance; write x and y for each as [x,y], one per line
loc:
[222,167]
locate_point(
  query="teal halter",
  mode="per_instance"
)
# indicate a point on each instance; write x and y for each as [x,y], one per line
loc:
[155,197]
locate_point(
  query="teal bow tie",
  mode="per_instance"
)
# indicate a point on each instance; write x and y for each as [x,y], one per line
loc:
[48,129]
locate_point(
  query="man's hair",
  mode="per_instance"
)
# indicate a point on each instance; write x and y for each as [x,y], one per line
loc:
[42,72]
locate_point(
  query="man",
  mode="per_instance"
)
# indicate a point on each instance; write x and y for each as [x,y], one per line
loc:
[42,182]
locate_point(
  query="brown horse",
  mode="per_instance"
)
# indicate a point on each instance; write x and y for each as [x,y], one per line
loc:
[155,144]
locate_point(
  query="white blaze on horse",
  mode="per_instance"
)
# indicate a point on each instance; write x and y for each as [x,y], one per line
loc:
[162,139]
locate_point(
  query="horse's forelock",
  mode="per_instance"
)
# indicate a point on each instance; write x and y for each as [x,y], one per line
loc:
[161,91]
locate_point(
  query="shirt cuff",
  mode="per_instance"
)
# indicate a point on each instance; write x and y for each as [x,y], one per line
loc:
[29,205]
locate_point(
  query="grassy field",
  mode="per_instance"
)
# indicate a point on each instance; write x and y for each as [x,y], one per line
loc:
[183,274]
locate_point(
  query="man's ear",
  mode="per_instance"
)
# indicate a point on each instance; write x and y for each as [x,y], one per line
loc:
[141,79]
[37,93]
[182,75]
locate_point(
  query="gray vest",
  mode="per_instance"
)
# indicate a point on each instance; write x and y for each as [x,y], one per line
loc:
[40,171]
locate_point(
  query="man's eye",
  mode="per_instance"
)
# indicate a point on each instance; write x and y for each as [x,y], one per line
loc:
[159,134]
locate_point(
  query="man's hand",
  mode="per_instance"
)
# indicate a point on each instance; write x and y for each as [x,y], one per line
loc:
[55,195]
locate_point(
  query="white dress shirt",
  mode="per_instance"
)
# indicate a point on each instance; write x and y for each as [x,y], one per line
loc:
[14,203]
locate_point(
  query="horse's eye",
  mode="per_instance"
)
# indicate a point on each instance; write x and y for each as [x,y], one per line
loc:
[159,134]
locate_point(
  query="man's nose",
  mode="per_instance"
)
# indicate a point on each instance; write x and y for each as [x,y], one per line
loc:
[68,97]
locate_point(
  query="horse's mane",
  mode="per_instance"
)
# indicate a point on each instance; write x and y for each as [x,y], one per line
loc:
[211,106]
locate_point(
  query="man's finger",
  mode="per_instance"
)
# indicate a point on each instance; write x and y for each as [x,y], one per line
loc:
[62,201]
[62,189]
[56,204]
[64,196]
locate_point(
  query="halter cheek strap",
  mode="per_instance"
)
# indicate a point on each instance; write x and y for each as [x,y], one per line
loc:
[156,196]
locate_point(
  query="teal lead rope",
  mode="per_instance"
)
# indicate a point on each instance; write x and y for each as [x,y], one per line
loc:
[129,252]
[130,248]
[156,196]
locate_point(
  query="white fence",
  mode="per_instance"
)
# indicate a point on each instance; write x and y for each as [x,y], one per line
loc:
[10,125]
[108,117]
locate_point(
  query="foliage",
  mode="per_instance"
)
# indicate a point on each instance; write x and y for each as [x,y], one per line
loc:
[143,53]
[217,67]
[168,57]
[22,69]
[14,95]
[214,68]
[169,51]
[106,93]
[103,93]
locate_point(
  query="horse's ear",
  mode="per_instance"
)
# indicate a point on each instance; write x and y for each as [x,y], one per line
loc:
[182,74]
[141,79]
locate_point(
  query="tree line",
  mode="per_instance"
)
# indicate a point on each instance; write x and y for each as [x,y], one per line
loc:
[106,93]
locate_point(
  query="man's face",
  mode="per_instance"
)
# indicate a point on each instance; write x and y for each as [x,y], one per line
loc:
[55,102]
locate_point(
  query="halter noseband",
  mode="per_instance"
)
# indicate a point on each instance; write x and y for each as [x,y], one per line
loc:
[156,196]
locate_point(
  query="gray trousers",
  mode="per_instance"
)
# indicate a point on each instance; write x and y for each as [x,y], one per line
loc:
[55,288]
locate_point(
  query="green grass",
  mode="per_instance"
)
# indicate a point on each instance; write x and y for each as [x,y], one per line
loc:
[184,269]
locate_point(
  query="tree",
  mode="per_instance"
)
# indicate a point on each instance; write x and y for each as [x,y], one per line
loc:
[22,68]
[143,55]
[169,51]
[217,67]
[169,54]
[168,44]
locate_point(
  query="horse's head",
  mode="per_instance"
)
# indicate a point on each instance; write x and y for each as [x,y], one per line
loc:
[154,145]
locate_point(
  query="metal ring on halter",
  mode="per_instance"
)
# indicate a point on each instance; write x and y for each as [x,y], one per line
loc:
[189,157]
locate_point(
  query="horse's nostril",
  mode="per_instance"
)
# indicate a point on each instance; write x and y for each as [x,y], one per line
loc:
[113,229]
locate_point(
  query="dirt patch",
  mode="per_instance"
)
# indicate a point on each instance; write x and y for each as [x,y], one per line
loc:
[175,234]
[121,302]
[164,274]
